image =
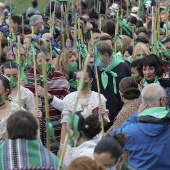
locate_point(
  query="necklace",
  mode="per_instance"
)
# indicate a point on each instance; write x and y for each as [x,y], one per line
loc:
[2,104]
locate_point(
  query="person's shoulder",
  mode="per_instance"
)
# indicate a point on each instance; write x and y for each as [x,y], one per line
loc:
[56,72]
[95,96]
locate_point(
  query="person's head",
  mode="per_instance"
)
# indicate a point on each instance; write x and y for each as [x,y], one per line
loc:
[66,62]
[10,70]
[94,18]
[154,95]
[83,7]
[132,21]
[109,151]
[43,54]
[109,27]
[162,11]
[142,39]
[5,89]
[4,48]
[134,70]
[34,3]
[128,52]
[46,37]
[139,23]
[84,163]
[2,7]
[140,50]
[16,20]
[106,53]
[96,35]
[141,31]
[128,89]
[37,22]
[88,127]
[19,126]
[88,79]
[150,67]
[107,39]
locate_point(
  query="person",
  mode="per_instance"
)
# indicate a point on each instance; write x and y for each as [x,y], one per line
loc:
[37,22]
[22,141]
[57,85]
[144,40]
[109,152]
[4,48]
[32,10]
[151,69]
[16,25]
[88,102]
[10,70]
[66,62]
[7,107]
[109,27]
[141,31]
[84,163]
[111,70]
[127,56]
[148,130]
[140,50]
[130,95]
[85,140]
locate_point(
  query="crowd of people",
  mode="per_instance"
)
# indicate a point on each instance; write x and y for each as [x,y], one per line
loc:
[121,118]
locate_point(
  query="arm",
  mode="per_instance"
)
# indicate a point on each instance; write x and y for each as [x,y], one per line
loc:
[30,103]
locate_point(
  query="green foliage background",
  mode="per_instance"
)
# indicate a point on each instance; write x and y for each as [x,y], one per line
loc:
[21,5]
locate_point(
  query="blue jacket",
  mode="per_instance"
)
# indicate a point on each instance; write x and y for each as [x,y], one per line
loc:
[148,144]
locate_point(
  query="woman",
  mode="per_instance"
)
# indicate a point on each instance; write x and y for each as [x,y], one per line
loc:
[66,62]
[109,153]
[7,107]
[130,95]
[140,50]
[86,138]
[151,68]
[88,102]
[84,163]
[27,98]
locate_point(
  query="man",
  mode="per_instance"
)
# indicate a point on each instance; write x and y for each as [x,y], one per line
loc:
[4,48]
[46,37]
[32,10]
[15,23]
[23,150]
[57,86]
[37,22]
[148,131]
[96,35]
[111,70]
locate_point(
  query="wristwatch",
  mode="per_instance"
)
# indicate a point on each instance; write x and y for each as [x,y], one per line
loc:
[50,99]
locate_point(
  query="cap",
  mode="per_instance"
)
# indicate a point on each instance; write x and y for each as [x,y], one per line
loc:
[134,9]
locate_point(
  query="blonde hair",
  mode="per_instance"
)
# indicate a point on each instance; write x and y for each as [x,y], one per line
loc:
[140,47]
[62,61]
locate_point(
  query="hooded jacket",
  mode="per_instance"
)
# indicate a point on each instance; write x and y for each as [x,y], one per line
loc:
[148,142]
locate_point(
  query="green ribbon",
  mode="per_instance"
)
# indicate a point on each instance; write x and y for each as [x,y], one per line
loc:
[50,129]
[104,76]
[157,112]
[145,82]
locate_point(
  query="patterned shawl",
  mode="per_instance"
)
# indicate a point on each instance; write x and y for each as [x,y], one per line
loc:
[25,154]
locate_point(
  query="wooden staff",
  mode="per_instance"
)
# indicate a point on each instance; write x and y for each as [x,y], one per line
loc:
[152,28]
[46,103]
[107,4]
[167,16]
[79,37]
[100,24]
[51,34]
[122,18]
[98,89]
[127,9]
[22,24]
[116,30]
[158,22]
[19,73]
[35,86]
[63,39]
[74,110]
[99,7]
[133,34]
[75,37]
[0,34]
[139,6]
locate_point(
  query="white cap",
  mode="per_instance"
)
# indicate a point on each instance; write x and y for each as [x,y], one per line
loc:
[134,9]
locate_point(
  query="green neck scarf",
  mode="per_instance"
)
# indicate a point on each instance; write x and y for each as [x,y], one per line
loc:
[145,82]
[73,83]
[157,112]
[104,76]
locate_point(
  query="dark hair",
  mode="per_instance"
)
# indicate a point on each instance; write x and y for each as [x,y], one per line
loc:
[9,65]
[19,126]
[4,42]
[151,60]
[141,29]
[34,3]
[109,27]
[142,39]
[129,88]
[84,4]
[135,63]
[106,37]
[139,24]
[42,50]
[132,20]
[166,39]
[16,19]
[6,84]
[89,71]
[130,50]
[104,48]
[112,145]
[90,126]
[88,34]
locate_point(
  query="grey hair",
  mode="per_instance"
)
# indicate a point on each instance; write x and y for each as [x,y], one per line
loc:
[103,48]
[152,95]
[35,19]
